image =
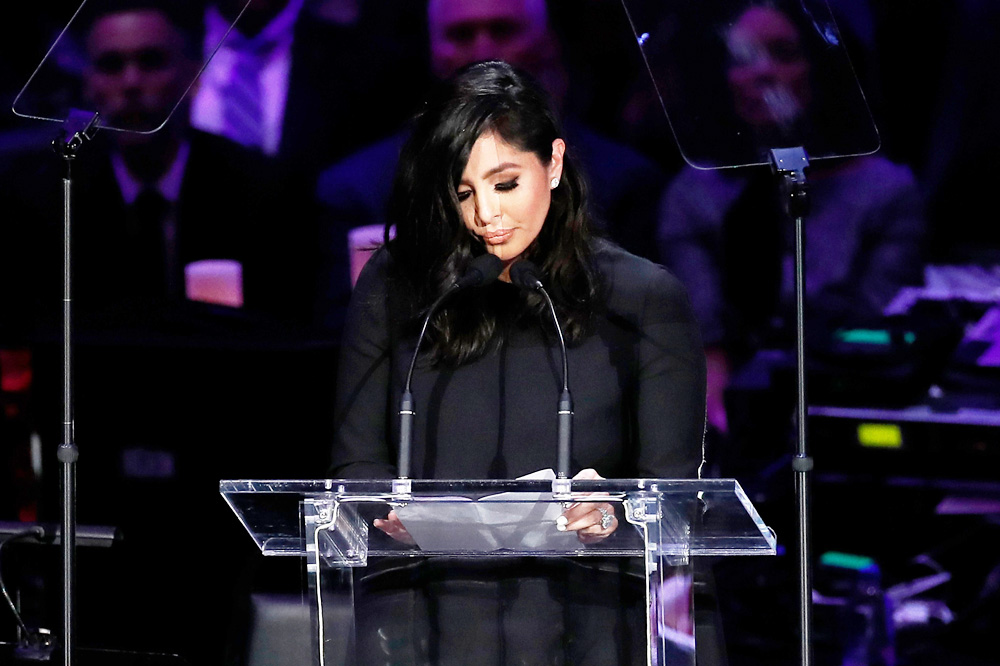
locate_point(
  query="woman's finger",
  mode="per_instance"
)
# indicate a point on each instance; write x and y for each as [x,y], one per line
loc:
[588,474]
[393,526]
[594,518]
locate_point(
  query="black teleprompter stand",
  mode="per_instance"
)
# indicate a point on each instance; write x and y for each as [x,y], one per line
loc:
[789,165]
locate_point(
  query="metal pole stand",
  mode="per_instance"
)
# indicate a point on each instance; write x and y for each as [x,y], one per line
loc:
[77,129]
[789,165]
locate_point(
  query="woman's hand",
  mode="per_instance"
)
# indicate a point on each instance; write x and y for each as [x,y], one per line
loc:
[393,526]
[592,521]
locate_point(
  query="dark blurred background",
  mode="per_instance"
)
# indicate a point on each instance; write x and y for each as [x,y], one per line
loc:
[176,390]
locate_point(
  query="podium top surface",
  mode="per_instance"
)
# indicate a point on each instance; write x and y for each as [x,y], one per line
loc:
[685,517]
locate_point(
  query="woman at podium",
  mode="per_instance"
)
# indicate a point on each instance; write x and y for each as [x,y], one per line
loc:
[486,170]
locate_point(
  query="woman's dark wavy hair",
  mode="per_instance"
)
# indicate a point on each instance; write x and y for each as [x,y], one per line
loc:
[432,246]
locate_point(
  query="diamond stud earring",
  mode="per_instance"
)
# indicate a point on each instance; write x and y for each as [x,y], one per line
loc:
[554,183]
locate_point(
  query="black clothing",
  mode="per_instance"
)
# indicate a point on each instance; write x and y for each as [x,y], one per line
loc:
[637,383]
[639,393]
[337,99]
[228,207]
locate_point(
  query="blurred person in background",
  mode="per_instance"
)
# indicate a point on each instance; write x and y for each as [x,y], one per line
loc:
[725,235]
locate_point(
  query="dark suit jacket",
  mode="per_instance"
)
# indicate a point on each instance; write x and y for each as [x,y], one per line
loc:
[229,208]
[351,84]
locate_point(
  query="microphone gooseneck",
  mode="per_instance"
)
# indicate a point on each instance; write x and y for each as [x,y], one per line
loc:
[525,275]
[482,270]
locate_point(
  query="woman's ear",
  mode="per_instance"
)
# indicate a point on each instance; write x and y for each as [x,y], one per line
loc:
[556,163]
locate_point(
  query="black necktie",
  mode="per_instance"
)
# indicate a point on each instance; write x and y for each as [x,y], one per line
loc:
[148,215]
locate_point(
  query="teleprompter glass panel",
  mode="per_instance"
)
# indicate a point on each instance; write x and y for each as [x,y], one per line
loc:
[738,78]
[131,65]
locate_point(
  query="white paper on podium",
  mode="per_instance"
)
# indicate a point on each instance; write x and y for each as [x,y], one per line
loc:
[506,521]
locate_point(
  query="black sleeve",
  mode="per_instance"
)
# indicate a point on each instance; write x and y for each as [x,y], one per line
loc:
[670,396]
[360,447]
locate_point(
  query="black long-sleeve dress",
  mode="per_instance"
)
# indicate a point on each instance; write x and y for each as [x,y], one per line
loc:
[638,385]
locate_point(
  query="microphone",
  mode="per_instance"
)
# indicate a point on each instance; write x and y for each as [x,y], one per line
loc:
[482,270]
[526,276]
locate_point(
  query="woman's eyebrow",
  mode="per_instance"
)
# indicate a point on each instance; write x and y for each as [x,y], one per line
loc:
[500,167]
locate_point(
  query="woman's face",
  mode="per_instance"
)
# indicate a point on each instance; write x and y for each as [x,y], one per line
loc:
[505,194]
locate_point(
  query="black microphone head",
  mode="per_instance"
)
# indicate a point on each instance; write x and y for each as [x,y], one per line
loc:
[482,270]
[525,275]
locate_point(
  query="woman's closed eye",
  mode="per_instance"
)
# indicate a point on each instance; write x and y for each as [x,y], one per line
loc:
[505,186]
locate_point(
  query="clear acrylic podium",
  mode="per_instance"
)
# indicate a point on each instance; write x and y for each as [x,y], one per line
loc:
[662,523]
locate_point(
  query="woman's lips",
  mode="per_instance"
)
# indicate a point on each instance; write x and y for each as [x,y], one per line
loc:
[498,237]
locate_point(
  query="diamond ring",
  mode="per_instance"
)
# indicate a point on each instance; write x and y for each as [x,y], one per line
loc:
[606,517]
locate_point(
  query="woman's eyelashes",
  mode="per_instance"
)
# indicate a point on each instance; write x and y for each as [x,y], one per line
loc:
[505,186]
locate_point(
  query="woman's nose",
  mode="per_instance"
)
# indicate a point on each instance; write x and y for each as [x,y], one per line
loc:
[487,208]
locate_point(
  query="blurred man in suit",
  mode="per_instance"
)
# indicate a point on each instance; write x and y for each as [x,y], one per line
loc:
[149,203]
[173,390]
[305,82]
